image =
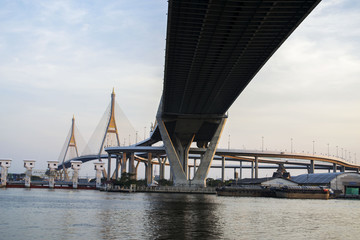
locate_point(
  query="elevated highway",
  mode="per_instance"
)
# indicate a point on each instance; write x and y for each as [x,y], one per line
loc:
[213,50]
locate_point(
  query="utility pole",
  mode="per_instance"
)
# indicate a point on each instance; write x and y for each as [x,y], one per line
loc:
[229,143]
[328,150]
[313,147]
[262,143]
[291,145]
[144,133]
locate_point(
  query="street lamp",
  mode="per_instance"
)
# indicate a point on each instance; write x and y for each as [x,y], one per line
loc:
[328,150]
[313,147]
[337,151]
[229,143]
[291,145]
[262,143]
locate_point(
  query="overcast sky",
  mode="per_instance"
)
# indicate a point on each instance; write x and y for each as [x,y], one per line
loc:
[59,58]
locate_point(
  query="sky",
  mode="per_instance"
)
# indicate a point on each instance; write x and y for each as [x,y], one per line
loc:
[63,58]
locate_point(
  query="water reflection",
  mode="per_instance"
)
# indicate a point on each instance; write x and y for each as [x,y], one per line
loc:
[178,216]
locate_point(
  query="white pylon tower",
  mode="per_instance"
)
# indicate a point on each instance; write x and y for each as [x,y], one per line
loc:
[71,144]
[111,125]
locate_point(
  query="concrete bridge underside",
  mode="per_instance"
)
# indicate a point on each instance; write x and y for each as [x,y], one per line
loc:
[213,50]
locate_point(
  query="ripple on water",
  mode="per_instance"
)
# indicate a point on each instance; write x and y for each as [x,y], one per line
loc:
[69,214]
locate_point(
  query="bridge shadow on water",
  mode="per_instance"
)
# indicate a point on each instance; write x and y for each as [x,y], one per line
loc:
[180,216]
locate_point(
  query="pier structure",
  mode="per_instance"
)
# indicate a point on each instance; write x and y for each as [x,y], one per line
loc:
[99,167]
[75,166]
[52,165]
[29,165]
[4,164]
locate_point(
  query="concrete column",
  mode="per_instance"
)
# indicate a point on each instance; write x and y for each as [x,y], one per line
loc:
[109,168]
[207,157]
[235,173]
[342,169]
[99,167]
[195,167]
[132,166]
[52,165]
[256,168]
[75,165]
[162,168]
[171,175]
[135,170]
[29,165]
[117,167]
[123,163]
[312,166]
[252,170]
[5,164]
[149,170]
[334,167]
[223,169]
[240,170]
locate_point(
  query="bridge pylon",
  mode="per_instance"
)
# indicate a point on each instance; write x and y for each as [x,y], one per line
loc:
[111,127]
[70,148]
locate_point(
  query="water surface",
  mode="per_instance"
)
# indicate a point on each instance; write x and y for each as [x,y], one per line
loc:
[87,214]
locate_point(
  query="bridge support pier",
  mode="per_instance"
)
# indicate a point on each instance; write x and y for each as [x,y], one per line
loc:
[342,168]
[162,167]
[334,167]
[29,165]
[252,170]
[311,167]
[123,163]
[5,164]
[99,167]
[52,165]
[223,169]
[75,165]
[256,168]
[178,132]
[149,170]
[132,166]
[109,168]
[240,170]
[117,164]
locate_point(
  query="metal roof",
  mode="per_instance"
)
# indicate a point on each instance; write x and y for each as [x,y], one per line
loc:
[316,178]
[215,48]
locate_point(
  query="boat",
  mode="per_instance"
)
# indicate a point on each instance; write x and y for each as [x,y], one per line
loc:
[303,192]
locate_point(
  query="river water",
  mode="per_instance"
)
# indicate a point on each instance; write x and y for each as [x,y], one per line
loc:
[88,214]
